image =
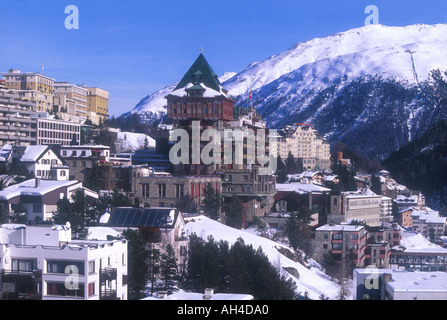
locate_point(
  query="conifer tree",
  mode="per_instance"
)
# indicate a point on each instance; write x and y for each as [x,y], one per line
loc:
[212,202]
[153,265]
[168,268]
[136,263]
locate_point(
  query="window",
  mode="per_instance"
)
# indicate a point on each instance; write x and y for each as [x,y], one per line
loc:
[161,190]
[337,246]
[337,236]
[60,266]
[37,208]
[60,289]
[145,190]
[91,267]
[179,190]
[325,236]
[24,265]
[91,289]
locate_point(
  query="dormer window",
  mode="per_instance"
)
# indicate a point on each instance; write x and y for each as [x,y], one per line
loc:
[198,75]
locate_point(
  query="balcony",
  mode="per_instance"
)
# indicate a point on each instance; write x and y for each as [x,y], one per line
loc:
[108,294]
[21,285]
[108,274]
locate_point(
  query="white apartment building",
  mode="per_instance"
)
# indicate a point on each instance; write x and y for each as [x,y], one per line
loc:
[53,131]
[389,284]
[426,219]
[386,210]
[347,206]
[43,262]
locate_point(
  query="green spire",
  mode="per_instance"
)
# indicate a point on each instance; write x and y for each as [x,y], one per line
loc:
[200,72]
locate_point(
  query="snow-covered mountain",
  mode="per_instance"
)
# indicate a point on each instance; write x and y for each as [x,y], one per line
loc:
[352,86]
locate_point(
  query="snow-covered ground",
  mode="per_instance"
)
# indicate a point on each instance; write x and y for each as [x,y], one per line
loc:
[415,240]
[311,278]
[131,141]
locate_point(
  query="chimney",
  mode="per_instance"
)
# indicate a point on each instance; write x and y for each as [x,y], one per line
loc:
[37,183]
[388,277]
[208,294]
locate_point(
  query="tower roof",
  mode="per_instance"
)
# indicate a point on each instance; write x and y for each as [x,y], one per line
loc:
[201,72]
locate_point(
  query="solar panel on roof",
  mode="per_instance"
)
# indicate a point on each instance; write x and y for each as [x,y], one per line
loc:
[140,217]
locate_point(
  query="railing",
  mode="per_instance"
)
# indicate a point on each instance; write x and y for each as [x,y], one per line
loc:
[108,294]
[108,274]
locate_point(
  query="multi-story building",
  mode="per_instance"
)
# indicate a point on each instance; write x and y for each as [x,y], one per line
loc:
[40,197]
[379,242]
[42,161]
[305,144]
[346,206]
[419,259]
[425,220]
[198,103]
[97,104]
[386,210]
[73,96]
[159,228]
[388,284]
[31,86]
[164,190]
[43,262]
[54,131]
[80,158]
[16,127]
[403,201]
[403,217]
[344,242]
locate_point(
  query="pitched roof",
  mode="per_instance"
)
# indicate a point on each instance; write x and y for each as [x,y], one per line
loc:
[33,153]
[200,72]
[28,187]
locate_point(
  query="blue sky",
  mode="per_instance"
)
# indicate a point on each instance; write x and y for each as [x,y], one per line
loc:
[135,47]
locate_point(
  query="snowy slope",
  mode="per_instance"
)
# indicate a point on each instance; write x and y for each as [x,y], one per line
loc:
[312,279]
[369,50]
[131,141]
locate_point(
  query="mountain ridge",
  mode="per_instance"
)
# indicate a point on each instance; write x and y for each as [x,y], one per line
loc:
[358,72]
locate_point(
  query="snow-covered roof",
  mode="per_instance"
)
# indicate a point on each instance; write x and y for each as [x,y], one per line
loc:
[208,93]
[32,153]
[416,242]
[429,216]
[28,187]
[418,281]
[101,233]
[301,188]
[182,295]
[340,227]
